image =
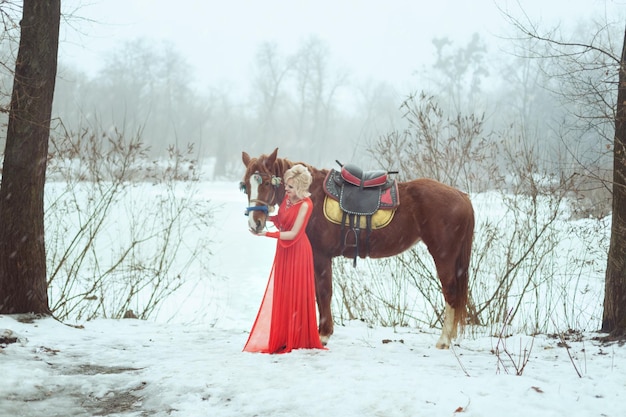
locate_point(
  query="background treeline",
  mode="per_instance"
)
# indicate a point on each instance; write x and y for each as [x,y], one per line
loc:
[313,111]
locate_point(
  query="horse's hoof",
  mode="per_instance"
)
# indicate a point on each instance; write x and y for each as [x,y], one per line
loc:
[324,340]
[443,343]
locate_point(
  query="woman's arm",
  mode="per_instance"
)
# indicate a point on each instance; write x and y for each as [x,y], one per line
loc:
[275,220]
[297,226]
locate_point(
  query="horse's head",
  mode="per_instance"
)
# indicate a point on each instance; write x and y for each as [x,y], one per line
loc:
[262,185]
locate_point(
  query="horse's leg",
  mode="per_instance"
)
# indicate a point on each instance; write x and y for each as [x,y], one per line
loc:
[448,331]
[453,271]
[447,276]
[324,293]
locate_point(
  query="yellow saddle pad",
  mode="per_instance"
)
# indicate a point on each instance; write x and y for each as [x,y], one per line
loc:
[333,213]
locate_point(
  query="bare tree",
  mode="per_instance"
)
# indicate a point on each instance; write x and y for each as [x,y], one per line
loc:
[462,71]
[317,90]
[145,86]
[22,247]
[614,316]
[269,85]
[589,73]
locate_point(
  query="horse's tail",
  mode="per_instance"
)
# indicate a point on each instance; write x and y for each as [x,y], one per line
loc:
[462,279]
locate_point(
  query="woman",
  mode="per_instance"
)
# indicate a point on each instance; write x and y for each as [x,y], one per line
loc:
[287,317]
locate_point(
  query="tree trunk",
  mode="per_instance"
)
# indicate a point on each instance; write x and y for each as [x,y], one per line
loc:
[23,281]
[614,317]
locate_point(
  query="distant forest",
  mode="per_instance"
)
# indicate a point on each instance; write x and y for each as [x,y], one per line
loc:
[318,114]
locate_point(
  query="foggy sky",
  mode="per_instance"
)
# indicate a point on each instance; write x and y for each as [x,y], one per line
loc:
[384,41]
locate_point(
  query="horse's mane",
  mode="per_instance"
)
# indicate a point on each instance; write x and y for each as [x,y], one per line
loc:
[281,165]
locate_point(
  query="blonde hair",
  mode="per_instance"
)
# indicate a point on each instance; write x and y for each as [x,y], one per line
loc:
[302,179]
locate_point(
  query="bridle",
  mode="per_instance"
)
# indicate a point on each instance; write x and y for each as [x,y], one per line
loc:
[265,205]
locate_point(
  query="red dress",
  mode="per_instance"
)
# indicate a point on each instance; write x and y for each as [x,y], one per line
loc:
[287,318]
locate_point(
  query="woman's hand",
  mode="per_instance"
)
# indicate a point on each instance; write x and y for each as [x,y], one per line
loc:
[254,232]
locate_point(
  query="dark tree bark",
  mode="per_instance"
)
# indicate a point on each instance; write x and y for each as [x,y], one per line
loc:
[23,281]
[614,316]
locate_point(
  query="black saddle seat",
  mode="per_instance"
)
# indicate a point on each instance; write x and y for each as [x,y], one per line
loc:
[364,179]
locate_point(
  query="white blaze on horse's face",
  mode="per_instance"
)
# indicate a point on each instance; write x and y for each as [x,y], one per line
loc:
[255,182]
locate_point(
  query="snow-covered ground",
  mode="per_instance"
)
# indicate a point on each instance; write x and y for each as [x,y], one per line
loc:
[188,362]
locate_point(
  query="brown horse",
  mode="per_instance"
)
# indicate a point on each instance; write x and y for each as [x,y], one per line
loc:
[440,216]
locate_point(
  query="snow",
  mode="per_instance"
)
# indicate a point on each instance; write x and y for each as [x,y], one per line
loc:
[189,360]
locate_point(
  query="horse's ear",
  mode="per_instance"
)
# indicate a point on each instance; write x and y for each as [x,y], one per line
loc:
[272,158]
[245,158]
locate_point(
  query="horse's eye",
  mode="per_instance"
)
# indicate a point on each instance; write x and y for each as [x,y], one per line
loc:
[242,186]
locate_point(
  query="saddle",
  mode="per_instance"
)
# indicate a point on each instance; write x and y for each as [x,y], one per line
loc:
[360,194]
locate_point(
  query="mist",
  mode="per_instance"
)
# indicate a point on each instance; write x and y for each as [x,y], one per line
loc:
[334,92]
